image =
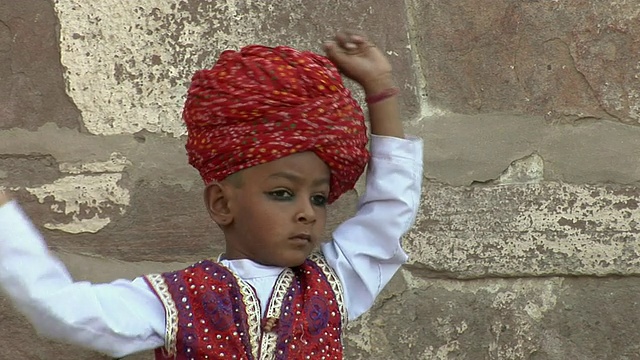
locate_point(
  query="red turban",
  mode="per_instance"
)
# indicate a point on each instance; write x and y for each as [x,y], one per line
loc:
[260,104]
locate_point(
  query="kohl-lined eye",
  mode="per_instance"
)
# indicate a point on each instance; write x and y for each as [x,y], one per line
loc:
[281,194]
[319,200]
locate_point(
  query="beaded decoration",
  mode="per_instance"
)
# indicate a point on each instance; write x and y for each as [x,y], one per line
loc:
[213,314]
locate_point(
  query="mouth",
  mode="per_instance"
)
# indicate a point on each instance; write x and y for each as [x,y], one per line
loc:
[301,238]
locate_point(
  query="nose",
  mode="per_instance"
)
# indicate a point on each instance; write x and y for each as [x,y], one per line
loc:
[306,213]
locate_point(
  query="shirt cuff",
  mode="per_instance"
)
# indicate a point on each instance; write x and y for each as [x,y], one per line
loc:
[393,148]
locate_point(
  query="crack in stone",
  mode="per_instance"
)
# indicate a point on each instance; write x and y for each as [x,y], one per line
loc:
[592,91]
[412,38]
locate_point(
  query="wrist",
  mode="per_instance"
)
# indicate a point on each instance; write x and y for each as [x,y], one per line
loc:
[385,94]
[377,85]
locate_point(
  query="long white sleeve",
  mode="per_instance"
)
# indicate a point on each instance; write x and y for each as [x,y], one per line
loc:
[117,319]
[366,250]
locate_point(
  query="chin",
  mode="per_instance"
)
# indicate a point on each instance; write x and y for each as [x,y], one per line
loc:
[294,260]
[290,258]
[290,261]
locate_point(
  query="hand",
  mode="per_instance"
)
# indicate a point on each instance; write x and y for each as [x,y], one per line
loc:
[360,60]
[4,198]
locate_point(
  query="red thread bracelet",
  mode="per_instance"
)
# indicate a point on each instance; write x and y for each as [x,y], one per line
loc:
[390,92]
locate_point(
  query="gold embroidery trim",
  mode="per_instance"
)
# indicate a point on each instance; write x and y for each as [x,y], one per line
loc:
[171,313]
[274,309]
[335,283]
[252,309]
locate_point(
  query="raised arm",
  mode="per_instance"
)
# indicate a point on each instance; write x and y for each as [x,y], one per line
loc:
[366,250]
[117,319]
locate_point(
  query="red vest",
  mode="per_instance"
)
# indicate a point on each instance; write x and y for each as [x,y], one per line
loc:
[212,314]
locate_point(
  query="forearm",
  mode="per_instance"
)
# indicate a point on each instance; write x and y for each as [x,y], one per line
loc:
[384,115]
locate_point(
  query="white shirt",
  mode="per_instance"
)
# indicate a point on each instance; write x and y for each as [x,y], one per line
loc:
[125,317]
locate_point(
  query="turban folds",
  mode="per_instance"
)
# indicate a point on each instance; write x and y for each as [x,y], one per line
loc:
[260,104]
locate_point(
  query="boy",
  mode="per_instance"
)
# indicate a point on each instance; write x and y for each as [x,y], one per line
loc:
[275,136]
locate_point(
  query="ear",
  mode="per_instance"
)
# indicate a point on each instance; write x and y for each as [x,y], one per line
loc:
[217,197]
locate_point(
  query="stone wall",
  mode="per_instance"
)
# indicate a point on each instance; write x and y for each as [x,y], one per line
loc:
[527,242]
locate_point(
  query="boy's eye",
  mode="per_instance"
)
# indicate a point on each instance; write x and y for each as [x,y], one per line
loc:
[281,194]
[319,200]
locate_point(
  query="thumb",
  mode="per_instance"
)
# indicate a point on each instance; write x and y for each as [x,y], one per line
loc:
[334,52]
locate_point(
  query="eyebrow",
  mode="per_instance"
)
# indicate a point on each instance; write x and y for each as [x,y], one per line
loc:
[298,179]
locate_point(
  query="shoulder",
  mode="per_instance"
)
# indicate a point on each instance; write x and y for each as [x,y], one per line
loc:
[195,272]
[317,263]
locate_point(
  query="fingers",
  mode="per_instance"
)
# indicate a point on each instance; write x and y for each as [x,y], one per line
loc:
[346,43]
[4,198]
[351,36]
[349,41]
[334,51]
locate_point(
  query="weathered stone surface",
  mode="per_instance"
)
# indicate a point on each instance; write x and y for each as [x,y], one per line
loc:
[463,149]
[28,170]
[154,158]
[539,319]
[173,226]
[128,64]
[527,230]
[563,59]
[32,90]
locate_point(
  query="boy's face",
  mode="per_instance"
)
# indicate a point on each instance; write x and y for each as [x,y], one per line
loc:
[278,210]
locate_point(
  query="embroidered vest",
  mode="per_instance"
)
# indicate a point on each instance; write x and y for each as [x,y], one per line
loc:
[213,314]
